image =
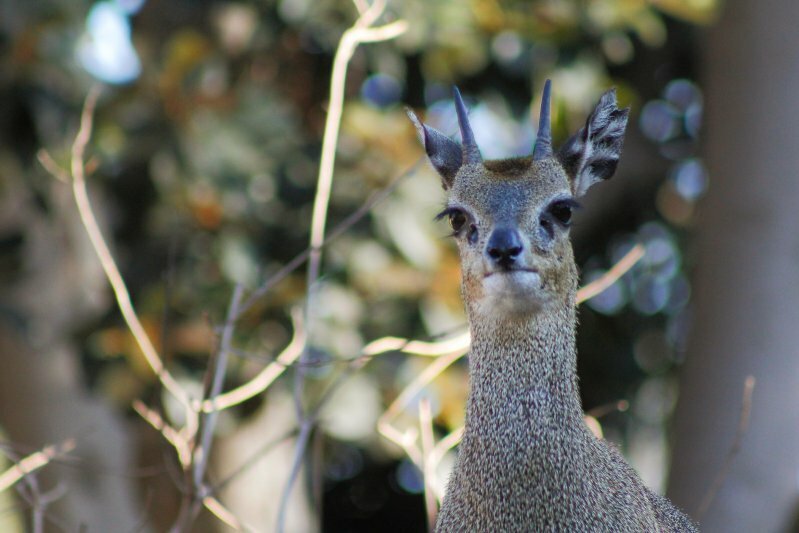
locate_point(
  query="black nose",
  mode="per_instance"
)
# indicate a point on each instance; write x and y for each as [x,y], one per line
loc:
[504,246]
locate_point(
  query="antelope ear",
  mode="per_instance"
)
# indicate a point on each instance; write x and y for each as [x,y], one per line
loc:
[591,154]
[445,154]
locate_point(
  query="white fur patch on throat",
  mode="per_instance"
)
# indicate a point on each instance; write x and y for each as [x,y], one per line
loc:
[517,291]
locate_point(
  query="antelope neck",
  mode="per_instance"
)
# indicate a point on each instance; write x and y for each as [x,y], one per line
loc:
[524,371]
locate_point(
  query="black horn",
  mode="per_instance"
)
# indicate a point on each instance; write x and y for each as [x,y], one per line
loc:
[471,153]
[543,140]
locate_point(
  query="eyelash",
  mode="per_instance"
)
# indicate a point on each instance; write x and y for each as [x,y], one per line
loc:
[569,203]
[446,212]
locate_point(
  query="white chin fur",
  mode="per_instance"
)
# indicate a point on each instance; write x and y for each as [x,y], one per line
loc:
[517,291]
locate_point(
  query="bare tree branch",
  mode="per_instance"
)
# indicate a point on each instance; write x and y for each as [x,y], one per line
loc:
[172,436]
[224,514]
[247,463]
[360,32]
[357,34]
[611,276]
[427,467]
[339,230]
[296,463]
[33,462]
[266,377]
[80,193]
[208,421]
[201,442]
[25,471]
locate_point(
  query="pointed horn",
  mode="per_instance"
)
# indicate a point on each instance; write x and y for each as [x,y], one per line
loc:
[543,140]
[471,153]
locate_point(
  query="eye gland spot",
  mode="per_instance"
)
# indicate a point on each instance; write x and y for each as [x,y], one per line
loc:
[545,223]
[472,234]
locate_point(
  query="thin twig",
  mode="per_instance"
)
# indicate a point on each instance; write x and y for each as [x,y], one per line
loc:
[172,436]
[308,420]
[52,167]
[611,276]
[53,495]
[427,467]
[369,15]
[384,423]
[224,514]
[251,460]
[87,465]
[361,6]
[355,217]
[433,349]
[201,443]
[360,32]
[31,492]
[32,495]
[296,463]
[442,447]
[429,348]
[354,36]
[611,407]
[743,424]
[218,377]
[33,462]
[80,193]
[266,377]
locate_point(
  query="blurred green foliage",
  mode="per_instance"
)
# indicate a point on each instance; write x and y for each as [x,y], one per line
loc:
[208,161]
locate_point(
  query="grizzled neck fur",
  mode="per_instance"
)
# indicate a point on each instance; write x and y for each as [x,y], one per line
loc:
[523,369]
[524,435]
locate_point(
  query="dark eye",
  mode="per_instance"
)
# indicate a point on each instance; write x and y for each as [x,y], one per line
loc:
[457,220]
[460,222]
[562,211]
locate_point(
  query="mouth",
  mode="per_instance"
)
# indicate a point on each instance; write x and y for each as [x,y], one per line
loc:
[511,271]
[514,290]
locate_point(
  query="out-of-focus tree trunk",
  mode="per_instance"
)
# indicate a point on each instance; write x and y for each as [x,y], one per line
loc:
[44,403]
[747,279]
[43,399]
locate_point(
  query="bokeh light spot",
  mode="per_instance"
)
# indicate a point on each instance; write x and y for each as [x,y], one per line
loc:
[650,295]
[660,121]
[679,295]
[690,179]
[655,399]
[409,477]
[345,462]
[693,120]
[105,50]
[506,46]
[617,47]
[381,90]
[611,300]
[683,94]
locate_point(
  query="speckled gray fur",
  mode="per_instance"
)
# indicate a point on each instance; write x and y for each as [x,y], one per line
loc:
[527,461]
